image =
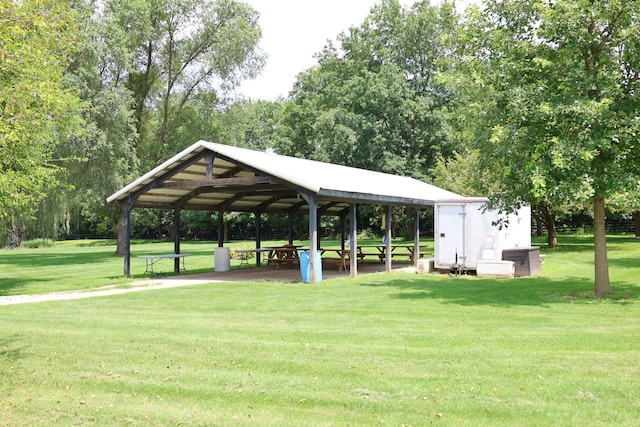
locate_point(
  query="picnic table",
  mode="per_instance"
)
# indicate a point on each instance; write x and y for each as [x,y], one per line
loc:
[343,259]
[378,251]
[396,250]
[287,254]
[245,254]
[151,260]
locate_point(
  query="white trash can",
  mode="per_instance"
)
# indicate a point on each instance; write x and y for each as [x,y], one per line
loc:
[221,259]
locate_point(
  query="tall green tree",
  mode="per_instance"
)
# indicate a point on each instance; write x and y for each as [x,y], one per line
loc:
[462,174]
[373,101]
[558,84]
[36,41]
[188,50]
[104,157]
[244,123]
[149,71]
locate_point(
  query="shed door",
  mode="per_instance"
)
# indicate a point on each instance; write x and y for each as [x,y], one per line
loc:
[449,235]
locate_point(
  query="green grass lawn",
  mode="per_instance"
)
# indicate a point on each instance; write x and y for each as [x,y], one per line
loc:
[83,264]
[384,349]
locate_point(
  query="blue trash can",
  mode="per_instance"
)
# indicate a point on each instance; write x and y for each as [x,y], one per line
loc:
[305,266]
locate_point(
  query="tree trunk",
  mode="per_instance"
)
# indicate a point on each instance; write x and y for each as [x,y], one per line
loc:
[602,284]
[121,237]
[552,233]
[636,222]
[548,217]
[539,226]
[15,236]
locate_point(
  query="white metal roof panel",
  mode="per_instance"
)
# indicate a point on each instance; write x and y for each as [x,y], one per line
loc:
[162,187]
[327,178]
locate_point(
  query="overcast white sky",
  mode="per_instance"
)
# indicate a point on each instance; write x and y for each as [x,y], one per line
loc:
[293,31]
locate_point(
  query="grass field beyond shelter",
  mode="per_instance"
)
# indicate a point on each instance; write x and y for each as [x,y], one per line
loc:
[383,349]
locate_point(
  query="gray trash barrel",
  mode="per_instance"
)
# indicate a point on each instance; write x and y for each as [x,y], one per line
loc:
[221,259]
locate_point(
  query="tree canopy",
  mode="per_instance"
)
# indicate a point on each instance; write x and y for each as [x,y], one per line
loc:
[185,50]
[36,108]
[559,85]
[372,101]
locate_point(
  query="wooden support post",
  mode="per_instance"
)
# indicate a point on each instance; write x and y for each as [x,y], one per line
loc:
[313,236]
[319,228]
[290,228]
[126,211]
[343,232]
[258,236]
[353,240]
[176,239]
[220,229]
[387,250]
[416,237]
[208,159]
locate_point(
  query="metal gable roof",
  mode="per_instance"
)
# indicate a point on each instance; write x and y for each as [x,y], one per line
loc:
[248,180]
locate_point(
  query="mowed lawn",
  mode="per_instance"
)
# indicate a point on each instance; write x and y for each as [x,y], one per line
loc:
[383,349]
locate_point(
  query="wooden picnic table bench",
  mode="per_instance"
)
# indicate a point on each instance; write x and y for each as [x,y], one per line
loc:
[343,260]
[396,251]
[370,250]
[151,260]
[283,255]
[405,251]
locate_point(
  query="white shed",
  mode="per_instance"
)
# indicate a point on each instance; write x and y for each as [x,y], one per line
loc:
[465,233]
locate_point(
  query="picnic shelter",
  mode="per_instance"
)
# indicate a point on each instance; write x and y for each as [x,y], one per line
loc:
[213,177]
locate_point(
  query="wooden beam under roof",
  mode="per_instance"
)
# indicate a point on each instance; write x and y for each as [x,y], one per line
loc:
[262,207]
[199,205]
[256,190]
[231,172]
[218,182]
[160,178]
[325,208]
[296,207]
[224,206]
[181,202]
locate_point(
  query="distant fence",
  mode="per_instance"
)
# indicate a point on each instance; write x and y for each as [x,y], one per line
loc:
[611,228]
